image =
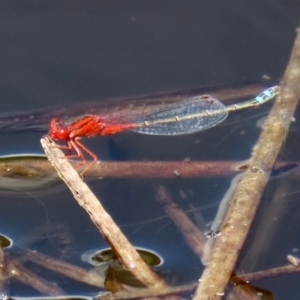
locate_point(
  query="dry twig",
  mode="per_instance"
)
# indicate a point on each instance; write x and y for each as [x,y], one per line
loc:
[246,199]
[105,224]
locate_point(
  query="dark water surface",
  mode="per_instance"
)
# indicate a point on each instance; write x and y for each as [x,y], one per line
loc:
[68,52]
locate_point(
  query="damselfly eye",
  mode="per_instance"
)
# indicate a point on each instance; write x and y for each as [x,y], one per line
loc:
[55,124]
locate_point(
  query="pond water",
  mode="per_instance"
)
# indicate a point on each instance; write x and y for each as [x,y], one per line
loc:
[70,52]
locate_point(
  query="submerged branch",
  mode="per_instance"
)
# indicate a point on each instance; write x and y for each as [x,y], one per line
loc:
[38,168]
[29,278]
[191,233]
[3,275]
[148,293]
[64,268]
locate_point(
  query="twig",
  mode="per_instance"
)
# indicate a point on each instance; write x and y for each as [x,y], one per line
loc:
[40,168]
[145,293]
[192,235]
[31,279]
[64,268]
[166,169]
[242,290]
[4,274]
[105,224]
[246,199]
[274,272]
[293,260]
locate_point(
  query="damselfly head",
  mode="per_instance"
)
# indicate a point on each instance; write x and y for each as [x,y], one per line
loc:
[58,131]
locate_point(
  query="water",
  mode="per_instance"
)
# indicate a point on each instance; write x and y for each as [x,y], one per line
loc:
[71,52]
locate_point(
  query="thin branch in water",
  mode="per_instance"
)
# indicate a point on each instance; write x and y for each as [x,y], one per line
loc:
[63,268]
[39,169]
[242,290]
[191,233]
[148,293]
[274,272]
[29,278]
[4,274]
